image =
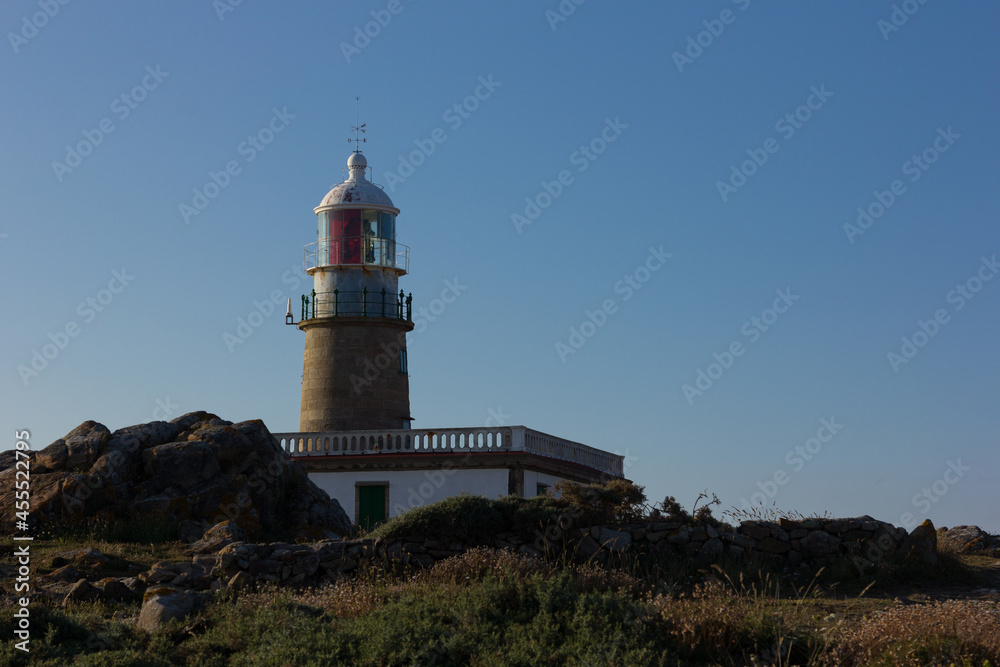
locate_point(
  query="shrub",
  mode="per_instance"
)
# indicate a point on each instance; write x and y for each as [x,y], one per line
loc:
[618,501]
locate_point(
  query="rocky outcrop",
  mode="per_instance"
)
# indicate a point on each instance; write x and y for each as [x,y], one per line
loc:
[969,539]
[921,544]
[197,469]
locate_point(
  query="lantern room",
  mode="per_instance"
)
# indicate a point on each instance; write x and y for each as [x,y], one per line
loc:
[357,225]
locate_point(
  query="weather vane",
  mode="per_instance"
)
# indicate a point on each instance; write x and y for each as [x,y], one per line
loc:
[358,129]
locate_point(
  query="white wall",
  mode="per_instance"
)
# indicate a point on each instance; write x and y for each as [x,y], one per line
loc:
[414,488]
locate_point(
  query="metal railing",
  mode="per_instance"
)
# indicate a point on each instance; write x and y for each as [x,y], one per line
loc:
[358,303]
[356,251]
[472,440]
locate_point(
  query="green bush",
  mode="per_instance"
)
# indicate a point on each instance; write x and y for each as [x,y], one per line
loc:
[475,520]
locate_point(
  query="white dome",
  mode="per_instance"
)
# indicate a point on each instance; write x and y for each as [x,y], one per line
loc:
[356,190]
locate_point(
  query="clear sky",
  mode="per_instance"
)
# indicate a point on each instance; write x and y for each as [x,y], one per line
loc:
[688,174]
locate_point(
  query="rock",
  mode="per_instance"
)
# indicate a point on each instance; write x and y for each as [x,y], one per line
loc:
[588,548]
[680,536]
[218,536]
[711,548]
[964,539]
[82,591]
[753,530]
[425,560]
[77,450]
[158,573]
[777,532]
[773,545]
[820,543]
[134,584]
[615,540]
[196,468]
[8,458]
[189,531]
[183,465]
[663,526]
[64,573]
[165,604]
[114,589]
[921,544]
[241,581]
[306,565]
[736,539]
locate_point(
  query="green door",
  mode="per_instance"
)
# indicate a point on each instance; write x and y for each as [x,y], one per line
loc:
[371,505]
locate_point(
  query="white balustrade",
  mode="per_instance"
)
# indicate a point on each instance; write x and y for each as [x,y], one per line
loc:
[471,440]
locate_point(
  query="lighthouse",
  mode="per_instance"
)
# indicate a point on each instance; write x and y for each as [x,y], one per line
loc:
[354,374]
[354,439]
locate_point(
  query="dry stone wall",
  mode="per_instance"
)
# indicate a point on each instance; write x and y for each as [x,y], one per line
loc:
[808,545]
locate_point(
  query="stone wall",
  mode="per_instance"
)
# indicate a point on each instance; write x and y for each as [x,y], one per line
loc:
[806,545]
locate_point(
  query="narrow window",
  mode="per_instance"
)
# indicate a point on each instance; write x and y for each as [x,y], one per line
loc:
[402,362]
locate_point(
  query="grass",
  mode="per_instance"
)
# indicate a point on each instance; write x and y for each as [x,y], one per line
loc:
[496,607]
[490,607]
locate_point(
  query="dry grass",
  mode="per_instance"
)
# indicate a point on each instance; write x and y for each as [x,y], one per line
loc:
[372,587]
[737,614]
[939,633]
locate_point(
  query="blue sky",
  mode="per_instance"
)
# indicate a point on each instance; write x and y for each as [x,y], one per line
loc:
[738,137]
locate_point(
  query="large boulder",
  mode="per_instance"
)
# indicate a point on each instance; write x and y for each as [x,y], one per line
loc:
[921,544]
[166,604]
[195,468]
[968,539]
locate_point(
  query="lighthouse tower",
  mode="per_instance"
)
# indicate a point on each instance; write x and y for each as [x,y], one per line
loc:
[354,376]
